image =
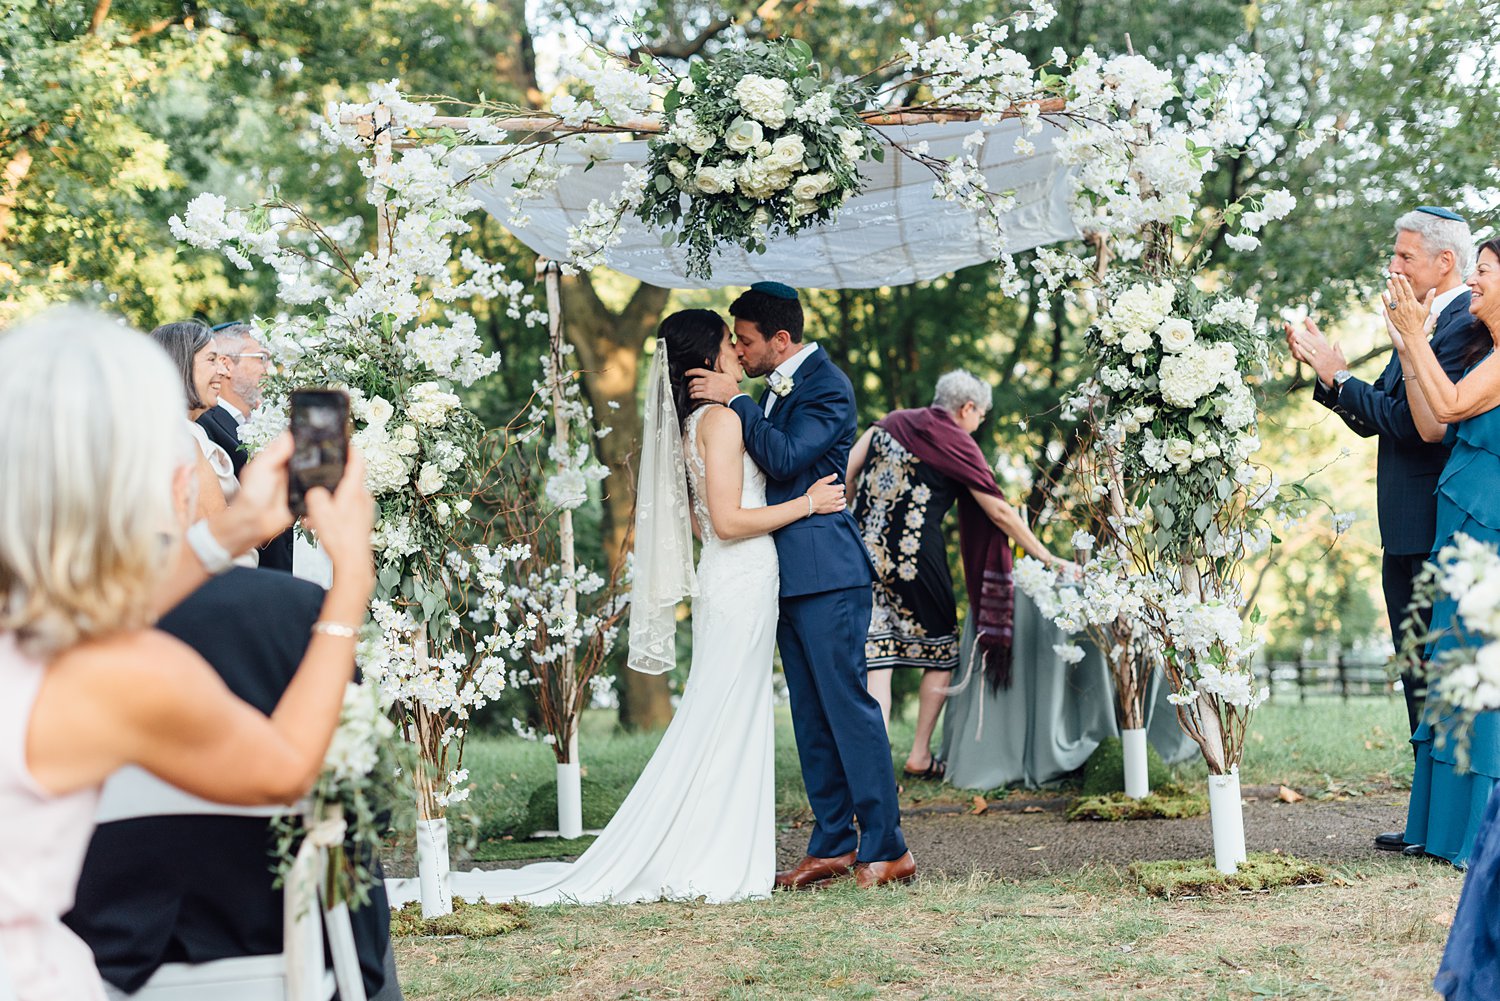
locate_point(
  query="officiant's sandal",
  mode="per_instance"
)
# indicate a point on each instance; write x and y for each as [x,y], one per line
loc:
[901,870]
[812,873]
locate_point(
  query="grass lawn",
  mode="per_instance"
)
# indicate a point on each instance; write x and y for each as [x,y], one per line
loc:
[1377,934]
[1322,747]
[1376,931]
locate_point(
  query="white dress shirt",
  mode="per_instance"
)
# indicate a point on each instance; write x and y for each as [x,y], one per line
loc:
[786,370]
[234,411]
[1440,302]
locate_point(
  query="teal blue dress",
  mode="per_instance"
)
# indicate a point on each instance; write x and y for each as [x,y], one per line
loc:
[1448,804]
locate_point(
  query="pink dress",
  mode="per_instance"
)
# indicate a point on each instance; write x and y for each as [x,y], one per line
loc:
[42,843]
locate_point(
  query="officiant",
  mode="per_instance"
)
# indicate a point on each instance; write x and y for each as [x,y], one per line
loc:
[904,475]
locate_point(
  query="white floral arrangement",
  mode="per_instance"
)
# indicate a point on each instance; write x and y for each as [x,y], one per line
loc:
[756,143]
[350,805]
[1463,676]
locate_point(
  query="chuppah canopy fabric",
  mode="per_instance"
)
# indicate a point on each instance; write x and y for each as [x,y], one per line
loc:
[895,232]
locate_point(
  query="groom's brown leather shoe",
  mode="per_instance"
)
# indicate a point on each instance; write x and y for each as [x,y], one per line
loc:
[901,870]
[813,872]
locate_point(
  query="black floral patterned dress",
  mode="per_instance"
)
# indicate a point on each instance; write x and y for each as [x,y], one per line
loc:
[900,506]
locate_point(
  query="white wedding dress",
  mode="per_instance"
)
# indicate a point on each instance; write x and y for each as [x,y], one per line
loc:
[700,821]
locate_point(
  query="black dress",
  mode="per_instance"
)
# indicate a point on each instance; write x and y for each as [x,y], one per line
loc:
[900,506]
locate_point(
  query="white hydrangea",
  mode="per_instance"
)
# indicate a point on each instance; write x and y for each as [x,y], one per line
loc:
[1190,375]
[427,403]
[763,99]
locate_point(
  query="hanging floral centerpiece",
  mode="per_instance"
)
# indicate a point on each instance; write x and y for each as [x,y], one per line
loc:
[756,143]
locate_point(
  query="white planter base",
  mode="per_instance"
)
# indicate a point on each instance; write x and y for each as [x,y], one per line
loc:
[432,867]
[1137,780]
[1227,815]
[569,801]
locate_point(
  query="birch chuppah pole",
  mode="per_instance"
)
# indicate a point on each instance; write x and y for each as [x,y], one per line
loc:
[569,776]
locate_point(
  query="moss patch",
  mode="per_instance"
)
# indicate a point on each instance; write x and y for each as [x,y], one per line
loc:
[1104,772]
[1199,878]
[1168,802]
[468,920]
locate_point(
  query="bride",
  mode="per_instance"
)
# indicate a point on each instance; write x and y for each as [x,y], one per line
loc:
[700,821]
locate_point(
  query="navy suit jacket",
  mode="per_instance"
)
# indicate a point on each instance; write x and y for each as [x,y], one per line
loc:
[1407,469]
[808,436]
[221,429]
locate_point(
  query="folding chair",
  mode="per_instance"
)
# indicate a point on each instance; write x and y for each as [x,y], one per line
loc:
[297,973]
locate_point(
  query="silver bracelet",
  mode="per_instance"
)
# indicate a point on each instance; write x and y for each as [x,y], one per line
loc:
[339,629]
[210,552]
[809,504]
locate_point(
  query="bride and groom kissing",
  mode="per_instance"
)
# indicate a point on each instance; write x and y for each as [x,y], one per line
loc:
[782,565]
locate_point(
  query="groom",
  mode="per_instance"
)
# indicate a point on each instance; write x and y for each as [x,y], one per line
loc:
[800,431]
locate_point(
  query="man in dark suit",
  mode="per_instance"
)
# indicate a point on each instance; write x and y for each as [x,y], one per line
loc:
[249,362]
[799,432]
[1433,250]
[192,889]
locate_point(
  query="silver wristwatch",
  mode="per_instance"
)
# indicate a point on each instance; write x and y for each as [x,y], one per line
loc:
[1340,377]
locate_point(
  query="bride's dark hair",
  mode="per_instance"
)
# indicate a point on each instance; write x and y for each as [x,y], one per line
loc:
[691,339]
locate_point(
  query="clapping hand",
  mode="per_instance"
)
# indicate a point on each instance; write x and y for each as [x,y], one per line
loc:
[1406,316]
[1309,346]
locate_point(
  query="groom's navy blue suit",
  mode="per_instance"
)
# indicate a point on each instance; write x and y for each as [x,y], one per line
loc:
[826,576]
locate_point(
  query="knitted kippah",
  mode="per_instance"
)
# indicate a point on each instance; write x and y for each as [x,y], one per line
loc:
[776,289]
[1441,213]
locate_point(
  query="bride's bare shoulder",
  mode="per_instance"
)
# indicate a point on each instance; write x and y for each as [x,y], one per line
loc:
[719,427]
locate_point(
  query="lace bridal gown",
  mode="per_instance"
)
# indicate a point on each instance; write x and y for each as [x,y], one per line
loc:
[700,821]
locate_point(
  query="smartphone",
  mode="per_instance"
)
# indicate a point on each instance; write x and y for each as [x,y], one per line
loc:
[320,443]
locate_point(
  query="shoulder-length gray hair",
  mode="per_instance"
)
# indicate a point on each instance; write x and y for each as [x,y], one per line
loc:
[87,513]
[182,341]
[958,387]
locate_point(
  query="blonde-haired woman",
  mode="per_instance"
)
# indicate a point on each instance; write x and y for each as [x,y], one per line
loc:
[91,515]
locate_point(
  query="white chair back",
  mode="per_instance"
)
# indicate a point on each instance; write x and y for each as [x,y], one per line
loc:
[295,974]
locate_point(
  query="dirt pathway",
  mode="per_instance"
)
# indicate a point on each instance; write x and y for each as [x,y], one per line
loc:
[1022,837]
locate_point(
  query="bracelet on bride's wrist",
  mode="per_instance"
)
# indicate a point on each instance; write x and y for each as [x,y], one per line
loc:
[809,504]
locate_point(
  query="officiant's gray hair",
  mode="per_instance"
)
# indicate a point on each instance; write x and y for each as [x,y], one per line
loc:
[93,415]
[1439,234]
[958,387]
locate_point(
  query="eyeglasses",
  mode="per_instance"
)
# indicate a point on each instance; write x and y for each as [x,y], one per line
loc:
[263,356]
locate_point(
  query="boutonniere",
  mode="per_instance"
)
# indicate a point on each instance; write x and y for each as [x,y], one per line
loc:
[780,384]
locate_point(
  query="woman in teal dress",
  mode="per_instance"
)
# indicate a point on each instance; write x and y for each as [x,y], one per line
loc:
[1448,801]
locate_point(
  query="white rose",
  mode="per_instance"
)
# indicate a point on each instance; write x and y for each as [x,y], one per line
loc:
[1175,333]
[1178,451]
[430,480]
[378,411]
[743,135]
[678,168]
[806,188]
[701,141]
[709,181]
[1135,341]
[787,151]
[686,85]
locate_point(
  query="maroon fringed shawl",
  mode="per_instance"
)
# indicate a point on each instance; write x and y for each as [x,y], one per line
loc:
[935,438]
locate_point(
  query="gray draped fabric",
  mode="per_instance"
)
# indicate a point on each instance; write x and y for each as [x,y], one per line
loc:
[1049,720]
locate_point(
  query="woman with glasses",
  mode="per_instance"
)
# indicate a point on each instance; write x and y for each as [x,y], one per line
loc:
[97,538]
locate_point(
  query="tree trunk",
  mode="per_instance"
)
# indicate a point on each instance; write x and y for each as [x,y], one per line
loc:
[609,346]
